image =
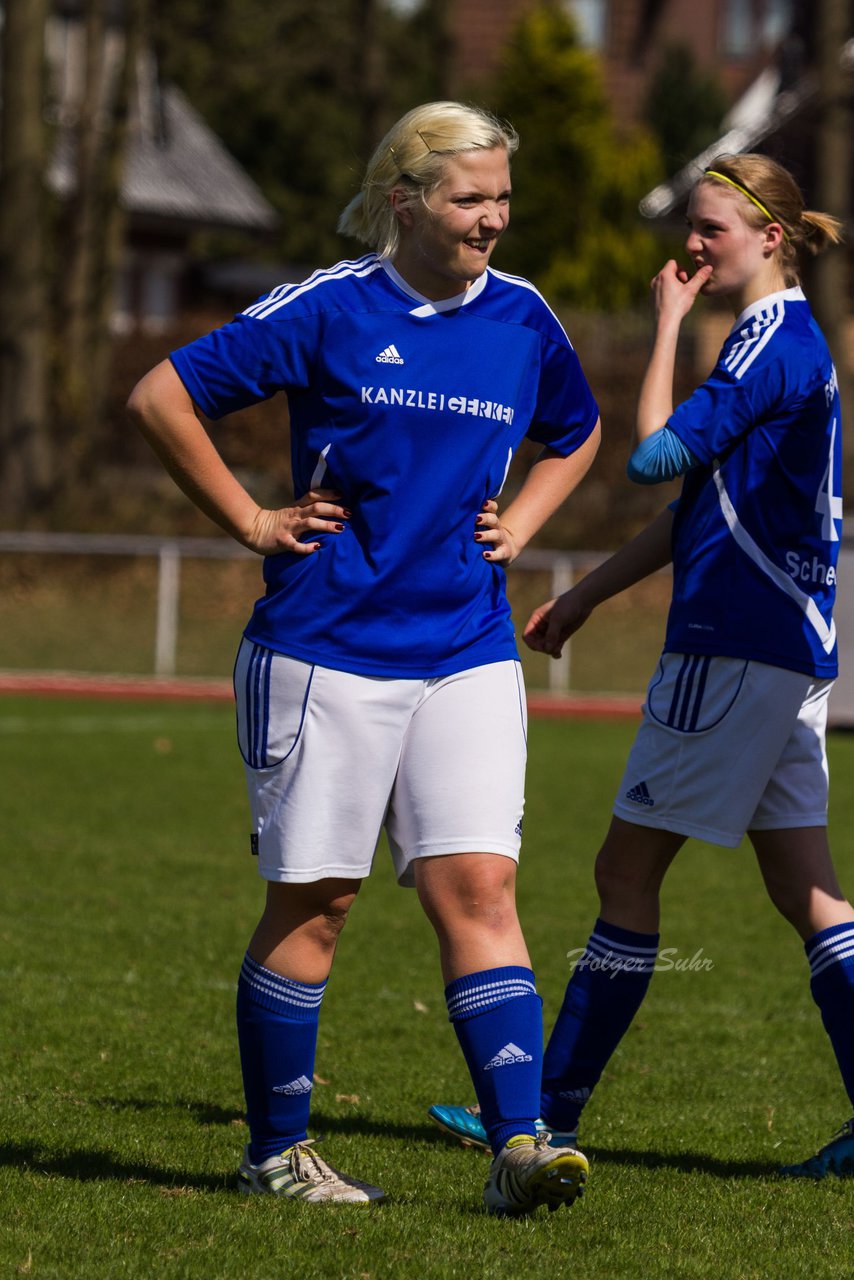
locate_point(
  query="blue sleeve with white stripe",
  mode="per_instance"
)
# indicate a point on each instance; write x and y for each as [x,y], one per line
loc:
[726,407]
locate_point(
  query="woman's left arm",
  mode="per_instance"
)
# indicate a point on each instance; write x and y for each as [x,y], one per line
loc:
[550,481]
[674,293]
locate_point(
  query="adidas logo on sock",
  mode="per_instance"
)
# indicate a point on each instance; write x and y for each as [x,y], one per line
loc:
[507,1056]
[302,1085]
[640,795]
[391,355]
[575,1095]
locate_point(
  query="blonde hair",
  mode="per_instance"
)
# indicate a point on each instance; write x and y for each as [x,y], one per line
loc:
[412,156]
[766,188]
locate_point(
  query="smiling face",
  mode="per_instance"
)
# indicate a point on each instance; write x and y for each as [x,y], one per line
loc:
[447,238]
[744,258]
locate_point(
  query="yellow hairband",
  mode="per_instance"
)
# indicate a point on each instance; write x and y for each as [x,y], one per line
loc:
[713,173]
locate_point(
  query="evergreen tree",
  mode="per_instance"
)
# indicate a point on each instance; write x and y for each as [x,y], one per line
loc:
[684,107]
[575,227]
[300,92]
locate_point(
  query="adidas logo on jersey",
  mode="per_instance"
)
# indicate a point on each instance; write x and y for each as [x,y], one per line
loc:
[640,795]
[507,1056]
[302,1085]
[391,355]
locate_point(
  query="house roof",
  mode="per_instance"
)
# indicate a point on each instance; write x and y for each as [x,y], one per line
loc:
[186,172]
[178,172]
[176,169]
[762,110]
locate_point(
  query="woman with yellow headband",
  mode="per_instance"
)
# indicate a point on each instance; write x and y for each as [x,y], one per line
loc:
[733,734]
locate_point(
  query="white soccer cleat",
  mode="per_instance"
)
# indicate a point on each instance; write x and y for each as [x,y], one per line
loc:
[527,1172]
[301,1174]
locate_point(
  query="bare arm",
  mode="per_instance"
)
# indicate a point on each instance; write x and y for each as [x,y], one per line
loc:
[674,294]
[555,621]
[161,407]
[549,482]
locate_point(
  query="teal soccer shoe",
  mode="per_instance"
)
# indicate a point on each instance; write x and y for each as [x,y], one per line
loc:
[463,1123]
[836,1157]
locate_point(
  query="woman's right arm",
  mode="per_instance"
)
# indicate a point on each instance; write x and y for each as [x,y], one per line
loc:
[161,407]
[555,621]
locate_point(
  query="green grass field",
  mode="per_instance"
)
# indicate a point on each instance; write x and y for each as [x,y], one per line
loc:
[128,897]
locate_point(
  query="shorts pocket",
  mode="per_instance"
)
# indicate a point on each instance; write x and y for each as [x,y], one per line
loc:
[272,692]
[692,693]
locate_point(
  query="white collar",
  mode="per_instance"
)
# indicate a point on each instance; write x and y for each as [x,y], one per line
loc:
[430,305]
[795,294]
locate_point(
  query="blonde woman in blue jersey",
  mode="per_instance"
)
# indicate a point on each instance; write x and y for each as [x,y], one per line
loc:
[733,732]
[384,638]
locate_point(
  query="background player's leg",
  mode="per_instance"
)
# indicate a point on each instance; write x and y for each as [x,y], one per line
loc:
[612,976]
[801,880]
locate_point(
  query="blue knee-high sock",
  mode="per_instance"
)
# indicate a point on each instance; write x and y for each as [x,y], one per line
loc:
[604,994]
[277,1032]
[498,1018]
[831,957]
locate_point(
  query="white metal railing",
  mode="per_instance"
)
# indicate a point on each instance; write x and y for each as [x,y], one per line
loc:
[563,567]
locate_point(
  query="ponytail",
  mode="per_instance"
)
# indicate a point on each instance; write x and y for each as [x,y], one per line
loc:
[818,231]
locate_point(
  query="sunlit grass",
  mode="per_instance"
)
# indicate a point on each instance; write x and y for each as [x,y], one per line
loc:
[128,897]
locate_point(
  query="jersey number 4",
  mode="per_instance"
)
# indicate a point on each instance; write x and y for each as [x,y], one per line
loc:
[827,503]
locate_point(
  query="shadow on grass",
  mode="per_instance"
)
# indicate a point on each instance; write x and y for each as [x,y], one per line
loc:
[322,1122]
[88,1165]
[95,1165]
[207,1113]
[101,1166]
[684,1161]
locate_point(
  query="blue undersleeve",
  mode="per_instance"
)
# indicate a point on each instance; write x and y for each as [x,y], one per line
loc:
[662,456]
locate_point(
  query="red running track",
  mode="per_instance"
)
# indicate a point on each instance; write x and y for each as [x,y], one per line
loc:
[152,689]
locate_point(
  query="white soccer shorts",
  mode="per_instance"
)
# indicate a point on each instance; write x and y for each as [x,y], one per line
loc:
[331,757]
[727,746]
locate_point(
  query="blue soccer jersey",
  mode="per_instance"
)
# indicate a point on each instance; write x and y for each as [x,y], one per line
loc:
[757,528]
[412,410]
